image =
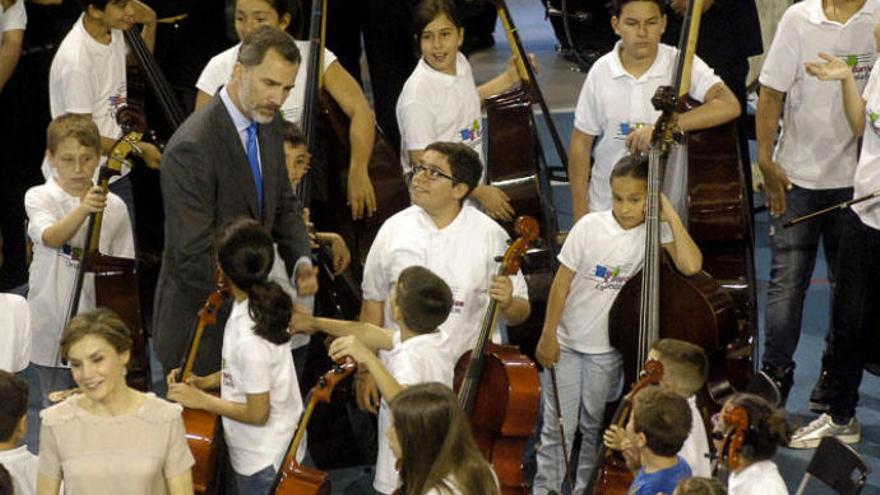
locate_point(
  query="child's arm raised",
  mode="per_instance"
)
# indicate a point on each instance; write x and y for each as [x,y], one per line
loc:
[389,387]
[61,231]
[683,250]
[374,337]
[547,351]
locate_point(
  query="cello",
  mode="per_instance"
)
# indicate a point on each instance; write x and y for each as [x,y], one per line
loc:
[498,387]
[612,474]
[202,426]
[516,165]
[294,478]
[115,278]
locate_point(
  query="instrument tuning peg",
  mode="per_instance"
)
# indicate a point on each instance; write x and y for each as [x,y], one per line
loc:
[499,259]
[509,241]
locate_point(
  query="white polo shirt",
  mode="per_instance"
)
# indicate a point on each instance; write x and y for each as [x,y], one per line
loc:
[53,271]
[695,450]
[867,176]
[604,256]
[23,467]
[761,478]
[612,103]
[218,72]
[15,333]
[89,77]
[817,149]
[12,19]
[253,365]
[462,254]
[434,106]
[418,359]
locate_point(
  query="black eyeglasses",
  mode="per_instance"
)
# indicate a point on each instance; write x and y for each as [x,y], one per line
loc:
[431,173]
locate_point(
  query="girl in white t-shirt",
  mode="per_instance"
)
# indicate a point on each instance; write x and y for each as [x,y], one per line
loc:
[441,102]
[601,253]
[755,473]
[259,395]
[431,438]
[340,85]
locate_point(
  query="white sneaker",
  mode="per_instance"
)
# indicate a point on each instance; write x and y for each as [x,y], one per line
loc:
[808,437]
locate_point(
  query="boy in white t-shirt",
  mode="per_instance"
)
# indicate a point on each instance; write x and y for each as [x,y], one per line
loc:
[13,20]
[20,463]
[614,108]
[57,213]
[420,303]
[87,76]
[454,240]
[811,167]
[685,367]
[602,251]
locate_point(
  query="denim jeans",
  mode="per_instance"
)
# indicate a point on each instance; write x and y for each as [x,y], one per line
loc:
[854,313]
[258,483]
[794,256]
[53,379]
[587,382]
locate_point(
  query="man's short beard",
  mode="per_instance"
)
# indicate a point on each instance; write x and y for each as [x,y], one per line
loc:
[244,97]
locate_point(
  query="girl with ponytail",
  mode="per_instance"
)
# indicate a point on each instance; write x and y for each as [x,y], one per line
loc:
[756,473]
[259,395]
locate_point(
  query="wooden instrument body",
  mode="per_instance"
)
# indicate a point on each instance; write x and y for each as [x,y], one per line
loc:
[297,479]
[695,309]
[505,411]
[720,222]
[201,437]
[116,287]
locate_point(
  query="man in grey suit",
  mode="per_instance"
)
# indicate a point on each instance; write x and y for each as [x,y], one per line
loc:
[227,161]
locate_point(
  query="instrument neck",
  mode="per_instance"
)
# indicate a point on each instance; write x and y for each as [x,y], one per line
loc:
[314,83]
[171,108]
[295,442]
[649,312]
[468,392]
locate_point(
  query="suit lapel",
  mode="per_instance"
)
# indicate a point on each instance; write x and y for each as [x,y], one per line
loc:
[237,168]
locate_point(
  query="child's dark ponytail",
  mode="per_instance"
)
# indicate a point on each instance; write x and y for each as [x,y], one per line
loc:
[245,253]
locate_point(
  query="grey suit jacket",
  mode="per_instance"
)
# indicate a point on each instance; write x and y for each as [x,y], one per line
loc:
[206,181]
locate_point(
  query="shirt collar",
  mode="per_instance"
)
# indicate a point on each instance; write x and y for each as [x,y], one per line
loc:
[239,119]
[441,77]
[816,15]
[617,70]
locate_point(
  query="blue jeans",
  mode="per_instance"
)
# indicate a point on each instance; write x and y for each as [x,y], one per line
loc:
[258,483]
[794,256]
[587,382]
[854,314]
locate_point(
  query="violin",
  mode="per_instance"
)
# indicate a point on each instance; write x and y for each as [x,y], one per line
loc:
[729,458]
[611,474]
[498,387]
[202,426]
[294,478]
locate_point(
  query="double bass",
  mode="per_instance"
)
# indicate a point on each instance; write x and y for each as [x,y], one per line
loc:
[498,386]
[115,278]
[293,478]
[202,426]
[516,164]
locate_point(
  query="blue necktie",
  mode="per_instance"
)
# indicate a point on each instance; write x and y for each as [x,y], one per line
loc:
[253,155]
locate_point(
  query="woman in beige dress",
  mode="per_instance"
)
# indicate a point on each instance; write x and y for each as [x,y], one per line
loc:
[110,438]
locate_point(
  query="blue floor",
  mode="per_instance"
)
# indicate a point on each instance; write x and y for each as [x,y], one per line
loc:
[792,463]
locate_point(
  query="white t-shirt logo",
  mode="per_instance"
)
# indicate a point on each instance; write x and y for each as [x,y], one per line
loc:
[117,99]
[860,64]
[610,277]
[624,128]
[471,133]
